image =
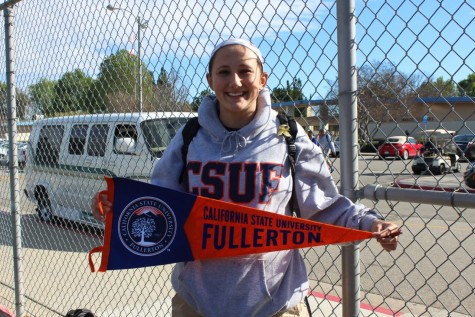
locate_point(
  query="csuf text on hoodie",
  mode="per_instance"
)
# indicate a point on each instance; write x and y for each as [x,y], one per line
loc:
[250,167]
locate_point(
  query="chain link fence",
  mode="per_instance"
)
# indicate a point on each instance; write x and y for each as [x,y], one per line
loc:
[416,79]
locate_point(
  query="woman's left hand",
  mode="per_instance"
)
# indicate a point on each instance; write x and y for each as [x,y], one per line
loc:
[386,233]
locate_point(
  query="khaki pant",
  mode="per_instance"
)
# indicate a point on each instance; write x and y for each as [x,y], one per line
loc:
[180,308]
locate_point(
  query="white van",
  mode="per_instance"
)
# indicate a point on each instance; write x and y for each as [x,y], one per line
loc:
[69,157]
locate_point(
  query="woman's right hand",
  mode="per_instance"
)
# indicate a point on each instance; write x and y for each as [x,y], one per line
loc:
[105,203]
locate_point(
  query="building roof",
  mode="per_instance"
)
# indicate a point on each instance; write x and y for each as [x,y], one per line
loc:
[464,99]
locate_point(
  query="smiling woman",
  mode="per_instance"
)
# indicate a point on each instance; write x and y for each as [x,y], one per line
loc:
[239,156]
[236,81]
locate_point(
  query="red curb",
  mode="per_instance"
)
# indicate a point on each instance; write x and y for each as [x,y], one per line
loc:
[5,312]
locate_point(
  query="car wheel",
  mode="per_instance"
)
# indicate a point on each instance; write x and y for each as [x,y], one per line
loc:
[44,206]
[442,169]
[405,155]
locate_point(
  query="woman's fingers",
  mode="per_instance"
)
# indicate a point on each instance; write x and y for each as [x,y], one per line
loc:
[100,206]
[386,233]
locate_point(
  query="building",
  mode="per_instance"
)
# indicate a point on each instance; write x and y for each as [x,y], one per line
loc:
[449,113]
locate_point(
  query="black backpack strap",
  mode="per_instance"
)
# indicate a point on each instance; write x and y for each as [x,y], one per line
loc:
[292,149]
[189,131]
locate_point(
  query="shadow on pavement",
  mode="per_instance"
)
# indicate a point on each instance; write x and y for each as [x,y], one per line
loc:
[57,235]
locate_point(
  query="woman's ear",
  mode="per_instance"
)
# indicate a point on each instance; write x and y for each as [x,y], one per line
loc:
[264,78]
[210,81]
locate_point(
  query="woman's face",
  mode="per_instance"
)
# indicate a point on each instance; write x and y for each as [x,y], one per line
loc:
[236,79]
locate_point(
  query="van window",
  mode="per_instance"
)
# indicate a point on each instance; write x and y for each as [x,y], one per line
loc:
[77,139]
[49,145]
[125,131]
[96,146]
[159,132]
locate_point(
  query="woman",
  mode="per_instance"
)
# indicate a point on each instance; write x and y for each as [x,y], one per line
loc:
[238,156]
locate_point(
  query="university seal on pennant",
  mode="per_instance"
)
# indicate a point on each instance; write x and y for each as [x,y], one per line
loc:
[147,226]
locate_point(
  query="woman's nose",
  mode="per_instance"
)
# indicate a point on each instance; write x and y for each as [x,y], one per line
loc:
[235,79]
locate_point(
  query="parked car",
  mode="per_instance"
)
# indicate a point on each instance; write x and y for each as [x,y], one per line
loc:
[3,153]
[469,175]
[469,151]
[402,147]
[462,140]
[438,156]
[437,163]
[371,146]
[22,149]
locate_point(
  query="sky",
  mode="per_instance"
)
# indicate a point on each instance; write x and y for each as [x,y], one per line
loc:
[297,38]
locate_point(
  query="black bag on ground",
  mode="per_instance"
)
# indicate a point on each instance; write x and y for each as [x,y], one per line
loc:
[82,312]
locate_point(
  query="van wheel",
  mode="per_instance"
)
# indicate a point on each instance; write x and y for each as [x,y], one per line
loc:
[442,169]
[44,206]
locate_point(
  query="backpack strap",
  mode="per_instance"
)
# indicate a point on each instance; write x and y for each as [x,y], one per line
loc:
[292,150]
[189,131]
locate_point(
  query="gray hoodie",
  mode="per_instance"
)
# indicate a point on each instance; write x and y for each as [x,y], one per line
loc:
[250,167]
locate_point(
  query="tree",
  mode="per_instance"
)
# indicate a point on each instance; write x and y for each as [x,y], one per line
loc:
[292,92]
[42,95]
[143,228]
[439,87]
[195,104]
[467,86]
[170,93]
[384,94]
[71,92]
[22,101]
[118,79]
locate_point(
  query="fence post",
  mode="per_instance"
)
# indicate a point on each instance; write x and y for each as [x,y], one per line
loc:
[13,166]
[347,95]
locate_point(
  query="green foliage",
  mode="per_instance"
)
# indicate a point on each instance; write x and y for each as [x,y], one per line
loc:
[118,80]
[42,95]
[439,87]
[195,104]
[22,101]
[292,92]
[467,86]
[71,91]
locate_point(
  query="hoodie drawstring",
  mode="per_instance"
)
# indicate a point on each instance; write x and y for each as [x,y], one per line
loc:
[232,142]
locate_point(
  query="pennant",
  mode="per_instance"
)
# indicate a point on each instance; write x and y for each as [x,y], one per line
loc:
[152,225]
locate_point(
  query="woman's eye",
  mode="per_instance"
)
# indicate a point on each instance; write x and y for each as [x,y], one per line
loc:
[246,72]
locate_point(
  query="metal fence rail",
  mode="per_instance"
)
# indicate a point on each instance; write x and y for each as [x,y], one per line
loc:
[364,70]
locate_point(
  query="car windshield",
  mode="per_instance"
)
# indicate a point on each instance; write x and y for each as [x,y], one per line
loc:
[159,132]
[394,140]
[464,138]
